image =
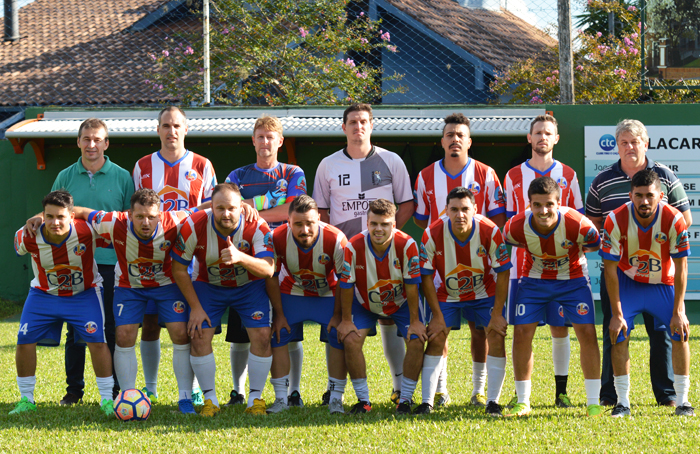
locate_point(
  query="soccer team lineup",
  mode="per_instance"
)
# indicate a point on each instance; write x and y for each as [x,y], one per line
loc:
[166,245]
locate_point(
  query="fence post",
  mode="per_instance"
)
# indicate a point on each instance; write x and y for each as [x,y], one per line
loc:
[566,64]
[207,88]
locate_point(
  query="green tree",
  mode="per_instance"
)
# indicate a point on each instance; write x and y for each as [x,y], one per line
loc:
[277,52]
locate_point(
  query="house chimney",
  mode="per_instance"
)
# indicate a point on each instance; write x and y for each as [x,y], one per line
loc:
[11,20]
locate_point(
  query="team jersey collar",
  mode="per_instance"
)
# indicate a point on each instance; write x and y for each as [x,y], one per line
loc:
[213,226]
[260,169]
[371,249]
[551,232]
[442,167]
[70,232]
[104,169]
[371,153]
[141,240]
[650,226]
[539,172]
[469,238]
[306,251]
[168,163]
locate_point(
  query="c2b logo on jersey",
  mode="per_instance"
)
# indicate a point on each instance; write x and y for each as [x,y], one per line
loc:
[145,268]
[463,279]
[385,291]
[311,281]
[646,262]
[226,272]
[65,277]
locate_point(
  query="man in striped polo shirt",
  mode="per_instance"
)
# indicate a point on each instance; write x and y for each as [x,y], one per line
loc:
[610,190]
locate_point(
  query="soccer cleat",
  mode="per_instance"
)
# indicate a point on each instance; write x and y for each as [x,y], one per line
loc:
[236,399]
[186,407]
[594,410]
[442,399]
[478,400]
[197,397]
[326,398]
[23,406]
[151,396]
[563,401]
[71,399]
[257,409]
[277,406]
[519,410]
[685,410]
[294,400]
[209,410]
[361,408]
[336,407]
[620,411]
[493,409]
[395,396]
[513,402]
[423,409]
[404,408]
[107,407]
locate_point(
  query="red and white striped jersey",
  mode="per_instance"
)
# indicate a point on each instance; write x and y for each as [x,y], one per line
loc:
[646,254]
[140,263]
[517,182]
[312,271]
[559,254]
[199,239]
[379,281]
[434,183]
[64,269]
[184,184]
[465,270]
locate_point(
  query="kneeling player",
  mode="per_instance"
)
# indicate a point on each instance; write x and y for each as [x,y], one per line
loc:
[66,288]
[467,252]
[555,239]
[382,266]
[645,250]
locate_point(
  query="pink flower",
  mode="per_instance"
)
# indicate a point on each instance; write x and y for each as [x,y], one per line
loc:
[556,71]
[632,8]
[160,87]
[189,51]
[350,62]
[628,42]
[362,13]
[303,32]
[634,36]
[153,57]
[385,36]
[326,70]
[166,53]
[536,100]
[634,51]
[146,81]
[579,68]
[361,75]
[391,48]
[363,41]
[224,31]
[599,34]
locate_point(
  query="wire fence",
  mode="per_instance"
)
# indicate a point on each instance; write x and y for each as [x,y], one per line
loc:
[291,52]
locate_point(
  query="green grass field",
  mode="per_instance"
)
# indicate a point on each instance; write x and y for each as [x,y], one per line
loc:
[458,428]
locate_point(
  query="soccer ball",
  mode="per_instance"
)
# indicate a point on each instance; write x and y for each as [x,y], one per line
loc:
[132,405]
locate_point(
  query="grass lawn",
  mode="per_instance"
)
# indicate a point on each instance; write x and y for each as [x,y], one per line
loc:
[458,428]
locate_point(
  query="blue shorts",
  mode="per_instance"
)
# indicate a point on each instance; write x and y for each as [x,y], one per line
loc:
[653,299]
[151,307]
[43,316]
[535,295]
[250,301]
[130,304]
[364,319]
[554,315]
[452,312]
[299,309]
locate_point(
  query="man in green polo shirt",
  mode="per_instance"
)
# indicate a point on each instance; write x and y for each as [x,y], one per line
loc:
[96,182]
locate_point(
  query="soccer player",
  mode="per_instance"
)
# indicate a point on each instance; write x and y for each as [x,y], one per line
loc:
[542,138]
[645,249]
[346,182]
[433,184]
[67,287]
[309,256]
[467,253]
[380,277]
[609,190]
[269,186]
[183,180]
[234,256]
[555,239]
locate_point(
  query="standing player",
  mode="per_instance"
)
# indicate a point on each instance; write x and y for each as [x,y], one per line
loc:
[309,255]
[67,287]
[555,269]
[380,277]
[269,186]
[645,250]
[542,137]
[183,180]
[433,185]
[467,253]
[346,182]
[234,256]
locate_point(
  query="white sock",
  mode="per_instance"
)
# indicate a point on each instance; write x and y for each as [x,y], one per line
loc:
[592,391]
[281,387]
[239,365]
[681,383]
[561,354]
[296,359]
[26,387]
[622,388]
[150,360]
[205,368]
[184,375]
[408,387]
[328,361]
[394,351]
[258,369]
[429,374]
[523,389]
[478,378]
[361,389]
[337,387]
[105,386]
[496,375]
[125,365]
[195,382]
[442,377]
